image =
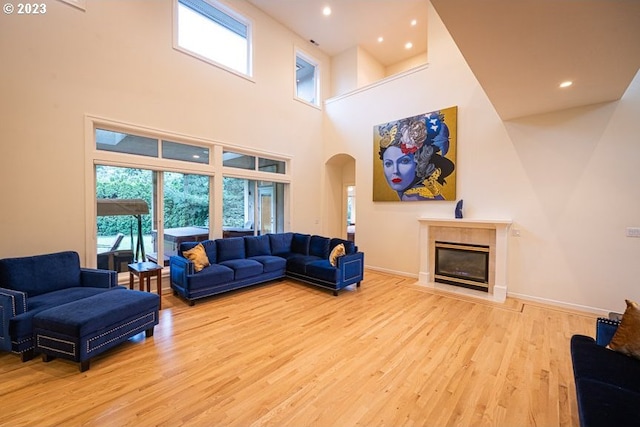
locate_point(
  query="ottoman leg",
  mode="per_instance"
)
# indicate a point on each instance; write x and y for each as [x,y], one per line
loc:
[47,358]
[149,332]
[84,365]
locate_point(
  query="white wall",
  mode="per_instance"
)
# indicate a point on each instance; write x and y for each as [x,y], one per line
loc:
[116,61]
[568,180]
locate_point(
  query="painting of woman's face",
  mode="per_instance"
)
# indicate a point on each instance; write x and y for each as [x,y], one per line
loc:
[399,168]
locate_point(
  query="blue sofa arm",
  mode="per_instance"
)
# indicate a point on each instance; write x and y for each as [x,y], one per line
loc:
[351,267]
[180,268]
[94,278]
[12,303]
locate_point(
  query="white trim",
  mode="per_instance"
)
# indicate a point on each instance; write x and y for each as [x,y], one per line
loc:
[378,83]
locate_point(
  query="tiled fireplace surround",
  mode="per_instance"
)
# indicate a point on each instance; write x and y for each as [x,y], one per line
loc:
[492,233]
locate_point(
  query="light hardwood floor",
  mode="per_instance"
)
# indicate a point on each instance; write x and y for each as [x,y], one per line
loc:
[390,353]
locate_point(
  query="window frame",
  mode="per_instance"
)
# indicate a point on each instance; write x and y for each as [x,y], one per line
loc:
[215,170]
[234,15]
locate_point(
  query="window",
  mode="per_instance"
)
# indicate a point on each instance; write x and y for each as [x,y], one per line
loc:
[153,190]
[107,140]
[214,33]
[243,161]
[250,205]
[125,210]
[185,152]
[306,79]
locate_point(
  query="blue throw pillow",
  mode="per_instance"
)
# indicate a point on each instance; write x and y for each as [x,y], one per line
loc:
[319,246]
[257,245]
[280,243]
[300,243]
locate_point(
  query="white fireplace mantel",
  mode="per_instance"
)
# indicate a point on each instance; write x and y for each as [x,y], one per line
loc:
[498,290]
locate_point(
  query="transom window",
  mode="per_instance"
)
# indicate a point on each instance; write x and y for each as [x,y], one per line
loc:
[214,33]
[244,161]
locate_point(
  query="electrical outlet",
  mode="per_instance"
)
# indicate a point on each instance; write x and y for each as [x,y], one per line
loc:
[633,231]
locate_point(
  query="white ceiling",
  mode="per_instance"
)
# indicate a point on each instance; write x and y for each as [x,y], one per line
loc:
[519,50]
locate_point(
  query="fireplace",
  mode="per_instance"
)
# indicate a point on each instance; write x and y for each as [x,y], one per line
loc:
[466,232]
[461,264]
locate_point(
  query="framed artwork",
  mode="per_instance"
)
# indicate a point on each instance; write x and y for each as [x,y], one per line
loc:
[414,158]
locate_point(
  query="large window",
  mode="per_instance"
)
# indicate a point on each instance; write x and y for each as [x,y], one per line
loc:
[155,190]
[214,33]
[307,79]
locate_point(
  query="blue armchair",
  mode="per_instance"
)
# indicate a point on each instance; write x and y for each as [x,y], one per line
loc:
[29,285]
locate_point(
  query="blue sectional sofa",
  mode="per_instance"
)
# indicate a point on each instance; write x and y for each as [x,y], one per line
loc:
[238,262]
[607,382]
[30,285]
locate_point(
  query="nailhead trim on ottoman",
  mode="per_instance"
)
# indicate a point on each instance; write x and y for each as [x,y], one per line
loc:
[82,329]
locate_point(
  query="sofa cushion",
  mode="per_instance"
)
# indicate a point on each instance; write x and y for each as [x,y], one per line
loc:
[257,245]
[598,363]
[230,248]
[40,274]
[243,268]
[271,263]
[319,246]
[601,404]
[211,276]
[349,246]
[300,243]
[280,243]
[297,263]
[323,270]
[198,256]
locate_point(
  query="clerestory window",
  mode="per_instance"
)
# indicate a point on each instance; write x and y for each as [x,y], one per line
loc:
[307,79]
[214,33]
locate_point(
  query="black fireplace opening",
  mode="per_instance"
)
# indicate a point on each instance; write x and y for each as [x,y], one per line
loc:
[462,264]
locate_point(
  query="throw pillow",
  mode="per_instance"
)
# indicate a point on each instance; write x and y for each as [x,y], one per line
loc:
[626,340]
[336,252]
[198,256]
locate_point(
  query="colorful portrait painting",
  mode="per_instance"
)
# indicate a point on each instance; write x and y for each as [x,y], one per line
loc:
[415,158]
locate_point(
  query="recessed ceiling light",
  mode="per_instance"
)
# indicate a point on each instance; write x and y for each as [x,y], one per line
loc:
[414,22]
[408,45]
[380,39]
[326,11]
[566,84]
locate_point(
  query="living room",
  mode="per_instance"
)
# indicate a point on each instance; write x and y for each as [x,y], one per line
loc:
[565,179]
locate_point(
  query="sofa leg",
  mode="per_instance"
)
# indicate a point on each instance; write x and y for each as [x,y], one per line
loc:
[46,358]
[192,303]
[148,333]
[84,365]
[358,285]
[335,293]
[26,355]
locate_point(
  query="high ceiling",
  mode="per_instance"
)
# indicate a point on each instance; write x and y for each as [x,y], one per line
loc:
[520,51]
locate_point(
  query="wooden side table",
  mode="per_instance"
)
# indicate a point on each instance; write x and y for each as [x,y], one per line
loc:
[145,270]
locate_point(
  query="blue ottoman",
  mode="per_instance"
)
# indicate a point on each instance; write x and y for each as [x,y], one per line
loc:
[87,327]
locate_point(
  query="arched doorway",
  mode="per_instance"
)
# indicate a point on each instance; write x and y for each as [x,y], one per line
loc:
[340,195]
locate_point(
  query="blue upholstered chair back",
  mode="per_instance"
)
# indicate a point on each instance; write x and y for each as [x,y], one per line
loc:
[40,274]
